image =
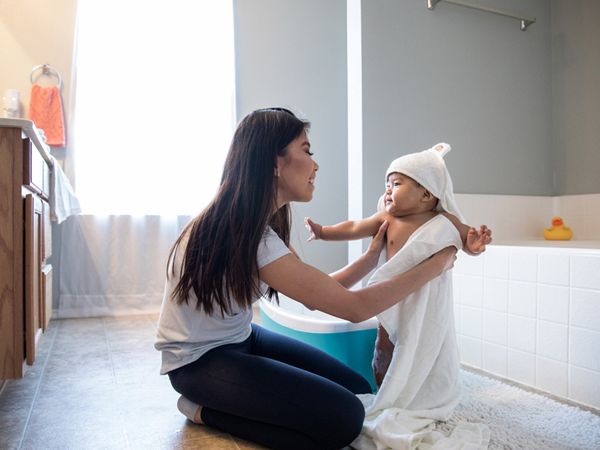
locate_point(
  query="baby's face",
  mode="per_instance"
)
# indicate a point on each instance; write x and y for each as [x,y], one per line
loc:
[403,195]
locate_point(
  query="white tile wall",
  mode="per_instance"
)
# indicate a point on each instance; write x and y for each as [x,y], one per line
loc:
[584,386]
[522,218]
[495,294]
[521,367]
[585,309]
[586,272]
[522,298]
[521,333]
[495,327]
[532,314]
[554,269]
[584,348]
[495,359]
[523,265]
[552,376]
[552,340]
[553,303]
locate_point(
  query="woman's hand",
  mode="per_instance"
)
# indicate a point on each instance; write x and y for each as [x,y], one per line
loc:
[445,258]
[377,243]
[354,272]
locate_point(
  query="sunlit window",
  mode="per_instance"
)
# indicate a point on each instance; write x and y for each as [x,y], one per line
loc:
[155,87]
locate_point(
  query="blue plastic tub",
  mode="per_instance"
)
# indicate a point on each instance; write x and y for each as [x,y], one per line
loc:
[351,343]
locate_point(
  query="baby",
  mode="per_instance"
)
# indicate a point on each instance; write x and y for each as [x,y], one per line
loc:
[418,188]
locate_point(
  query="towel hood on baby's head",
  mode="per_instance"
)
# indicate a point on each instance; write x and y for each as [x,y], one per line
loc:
[428,168]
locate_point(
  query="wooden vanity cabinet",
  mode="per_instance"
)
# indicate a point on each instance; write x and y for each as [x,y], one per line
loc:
[25,246]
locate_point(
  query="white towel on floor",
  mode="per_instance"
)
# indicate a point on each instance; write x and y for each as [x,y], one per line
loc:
[63,201]
[422,384]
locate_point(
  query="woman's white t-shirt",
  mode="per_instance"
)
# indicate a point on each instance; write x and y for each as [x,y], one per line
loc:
[185,333]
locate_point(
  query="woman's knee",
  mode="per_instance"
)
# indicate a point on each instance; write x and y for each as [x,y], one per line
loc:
[347,424]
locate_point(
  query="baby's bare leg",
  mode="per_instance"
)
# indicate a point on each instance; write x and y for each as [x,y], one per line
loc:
[382,356]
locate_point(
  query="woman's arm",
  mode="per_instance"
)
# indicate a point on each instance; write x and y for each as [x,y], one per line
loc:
[347,230]
[353,273]
[317,290]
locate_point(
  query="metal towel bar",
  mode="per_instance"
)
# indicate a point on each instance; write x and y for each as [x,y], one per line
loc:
[525,21]
[47,70]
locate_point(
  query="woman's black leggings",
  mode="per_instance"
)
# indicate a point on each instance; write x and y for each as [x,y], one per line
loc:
[276,391]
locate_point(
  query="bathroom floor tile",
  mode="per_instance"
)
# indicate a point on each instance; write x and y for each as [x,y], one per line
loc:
[96,385]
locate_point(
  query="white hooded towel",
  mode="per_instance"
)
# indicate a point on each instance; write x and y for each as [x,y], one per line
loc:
[422,384]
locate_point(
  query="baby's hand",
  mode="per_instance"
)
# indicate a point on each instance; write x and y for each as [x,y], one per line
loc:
[478,239]
[314,229]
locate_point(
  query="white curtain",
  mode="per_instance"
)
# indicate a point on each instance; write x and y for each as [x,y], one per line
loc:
[153,118]
[114,265]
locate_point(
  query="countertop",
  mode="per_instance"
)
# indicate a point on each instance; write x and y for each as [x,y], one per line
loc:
[32,132]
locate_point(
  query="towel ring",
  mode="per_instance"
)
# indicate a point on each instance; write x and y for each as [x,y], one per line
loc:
[48,71]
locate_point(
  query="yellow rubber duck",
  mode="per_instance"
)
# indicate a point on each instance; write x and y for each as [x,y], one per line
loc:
[558,231]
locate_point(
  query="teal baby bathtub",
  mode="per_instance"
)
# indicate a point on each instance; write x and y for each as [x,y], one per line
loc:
[351,343]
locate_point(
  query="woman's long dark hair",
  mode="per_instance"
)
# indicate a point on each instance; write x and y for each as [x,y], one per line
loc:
[219,263]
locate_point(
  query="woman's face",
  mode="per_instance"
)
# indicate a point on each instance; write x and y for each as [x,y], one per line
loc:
[296,172]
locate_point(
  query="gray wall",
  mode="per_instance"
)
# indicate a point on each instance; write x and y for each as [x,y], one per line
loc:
[576,95]
[466,77]
[293,54]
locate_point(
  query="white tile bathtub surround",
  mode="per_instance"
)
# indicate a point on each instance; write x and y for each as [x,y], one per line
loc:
[471,351]
[553,269]
[471,290]
[585,271]
[581,213]
[553,303]
[585,309]
[523,218]
[522,298]
[552,340]
[496,262]
[495,327]
[584,386]
[552,376]
[552,323]
[584,348]
[495,359]
[495,294]
[470,321]
[521,367]
[470,266]
[505,214]
[523,265]
[521,333]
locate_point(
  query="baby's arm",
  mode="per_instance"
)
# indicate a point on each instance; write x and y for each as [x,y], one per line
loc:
[474,241]
[347,230]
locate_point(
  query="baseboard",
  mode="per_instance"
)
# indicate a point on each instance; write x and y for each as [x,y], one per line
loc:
[527,388]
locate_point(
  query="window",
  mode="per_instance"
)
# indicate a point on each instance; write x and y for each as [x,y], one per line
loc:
[154,104]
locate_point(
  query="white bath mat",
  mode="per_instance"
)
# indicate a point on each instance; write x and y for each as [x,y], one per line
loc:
[519,419]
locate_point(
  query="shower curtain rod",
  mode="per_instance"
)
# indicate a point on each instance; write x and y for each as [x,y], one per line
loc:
[525,21]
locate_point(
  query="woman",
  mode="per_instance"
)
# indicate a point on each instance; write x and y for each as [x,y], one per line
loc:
[234,375]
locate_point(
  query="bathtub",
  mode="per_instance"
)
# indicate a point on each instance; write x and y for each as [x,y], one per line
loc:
[351,343]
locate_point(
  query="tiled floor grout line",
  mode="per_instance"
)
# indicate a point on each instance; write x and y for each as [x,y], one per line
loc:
[37,388]
[114,374]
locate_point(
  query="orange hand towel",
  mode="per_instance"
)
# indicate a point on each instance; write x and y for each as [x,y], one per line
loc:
[46,111]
